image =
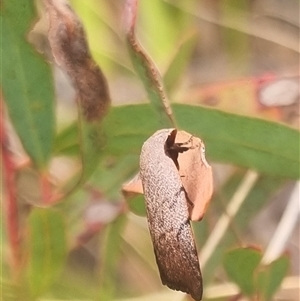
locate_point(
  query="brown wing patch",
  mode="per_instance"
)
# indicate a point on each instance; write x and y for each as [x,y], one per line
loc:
[196,174]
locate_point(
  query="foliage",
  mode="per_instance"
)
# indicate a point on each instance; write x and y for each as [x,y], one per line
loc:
[43,237]
[254,279]
[29,107]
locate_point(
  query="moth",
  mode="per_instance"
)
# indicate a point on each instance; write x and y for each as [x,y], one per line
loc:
[177,184]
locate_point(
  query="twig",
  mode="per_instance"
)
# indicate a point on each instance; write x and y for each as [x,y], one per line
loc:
[11,207]
[223,223]
[285,227]
[233,227]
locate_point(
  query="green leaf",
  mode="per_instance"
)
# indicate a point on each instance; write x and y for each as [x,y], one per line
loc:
[270,279]
[84,140]
[137,205]
[146,69]
[180,61]
[268,147]
[26,82]
[91,144]
[111,253]
[112,172]
[257,198]
[67,142]
[240,265]
[265,146]
[47,249]
[152,84]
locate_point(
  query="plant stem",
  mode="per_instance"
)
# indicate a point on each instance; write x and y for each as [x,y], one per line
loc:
[224,221]
[45,189]
[288,221]
[10,200]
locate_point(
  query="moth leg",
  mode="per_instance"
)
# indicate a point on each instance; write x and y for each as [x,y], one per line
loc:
[179,145]
[186,142]
[172,149]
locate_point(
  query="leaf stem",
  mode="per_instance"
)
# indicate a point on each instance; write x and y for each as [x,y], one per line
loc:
[46,190]
[288,221]
[10,205]
[224,221]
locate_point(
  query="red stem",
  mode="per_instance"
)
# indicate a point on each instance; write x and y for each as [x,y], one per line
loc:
[46,189]
[129,17]
[10,203]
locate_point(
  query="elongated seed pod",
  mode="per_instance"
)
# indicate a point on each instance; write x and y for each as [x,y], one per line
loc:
[168,215]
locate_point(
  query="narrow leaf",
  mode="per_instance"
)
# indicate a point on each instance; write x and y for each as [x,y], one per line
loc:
[240,265]
[70,50]
[26,81]
[47,249]
[111,173]
[146,69]
[111,251]
[265,146]
[66,142]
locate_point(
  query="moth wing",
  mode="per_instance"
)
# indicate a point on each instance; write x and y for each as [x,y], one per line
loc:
[168,216]
[179,270]
[196,175]
[133,187]
[203,195]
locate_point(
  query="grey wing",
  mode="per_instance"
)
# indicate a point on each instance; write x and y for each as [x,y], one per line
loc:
[173,243]
[177,260]
[168,218]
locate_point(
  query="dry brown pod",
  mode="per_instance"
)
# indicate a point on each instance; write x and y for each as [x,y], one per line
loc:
[71,52]
[177,184]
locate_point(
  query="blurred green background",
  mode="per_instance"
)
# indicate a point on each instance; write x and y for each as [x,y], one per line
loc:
[221,54]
